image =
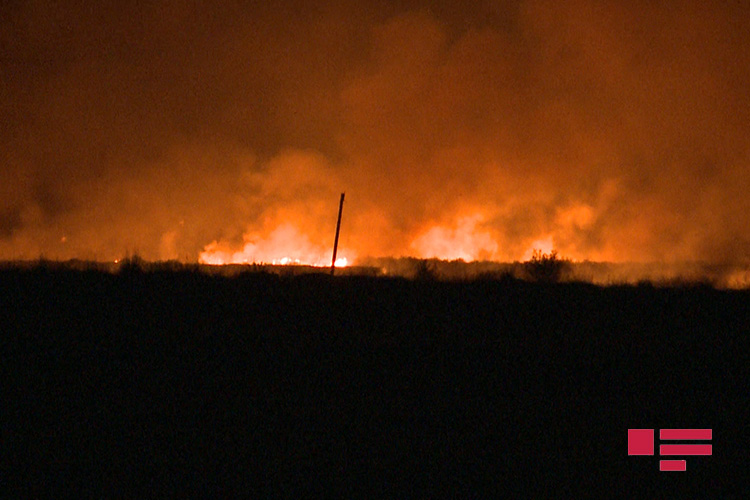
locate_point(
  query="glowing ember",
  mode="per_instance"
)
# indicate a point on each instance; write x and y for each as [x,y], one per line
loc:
[285,246]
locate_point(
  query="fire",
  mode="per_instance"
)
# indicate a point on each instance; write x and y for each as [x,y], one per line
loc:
[546,245]
[284,246]
[341,262]
[463,241]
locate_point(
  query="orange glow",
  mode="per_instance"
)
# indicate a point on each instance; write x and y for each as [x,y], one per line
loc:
[284,246]
[546,245]
[464,241]
[474,133]
[341,262]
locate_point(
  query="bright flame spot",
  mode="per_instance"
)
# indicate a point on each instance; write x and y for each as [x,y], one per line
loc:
[546,245]
[464,241]
[284,246]
[341,262]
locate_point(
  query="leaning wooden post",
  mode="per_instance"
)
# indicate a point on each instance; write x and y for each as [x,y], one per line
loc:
[336,241]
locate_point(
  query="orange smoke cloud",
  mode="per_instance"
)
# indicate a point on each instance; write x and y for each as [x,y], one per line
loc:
[457,131]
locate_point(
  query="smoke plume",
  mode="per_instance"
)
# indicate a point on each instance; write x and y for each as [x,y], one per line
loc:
[615,131]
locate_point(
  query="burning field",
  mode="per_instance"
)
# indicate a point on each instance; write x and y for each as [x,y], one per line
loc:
[224,134]
[544,243]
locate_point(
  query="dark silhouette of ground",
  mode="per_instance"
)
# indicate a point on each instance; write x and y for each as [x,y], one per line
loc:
[141,384]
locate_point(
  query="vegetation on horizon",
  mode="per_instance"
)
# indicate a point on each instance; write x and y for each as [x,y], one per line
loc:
[545,267]
[541,268]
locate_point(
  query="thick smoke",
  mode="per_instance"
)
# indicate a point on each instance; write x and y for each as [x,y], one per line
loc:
[608,130]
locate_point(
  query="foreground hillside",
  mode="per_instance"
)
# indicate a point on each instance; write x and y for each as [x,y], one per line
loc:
[145,383]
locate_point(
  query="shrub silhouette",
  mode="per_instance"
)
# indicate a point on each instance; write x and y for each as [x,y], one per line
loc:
[545,267]
[132,264]
[425,270]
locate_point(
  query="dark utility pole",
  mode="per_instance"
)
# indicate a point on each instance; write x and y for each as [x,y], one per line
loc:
[336,241]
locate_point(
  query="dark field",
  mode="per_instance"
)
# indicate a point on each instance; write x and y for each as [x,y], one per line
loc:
[144,384]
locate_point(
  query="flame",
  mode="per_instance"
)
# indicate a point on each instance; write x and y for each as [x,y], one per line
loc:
[284,246]
[464,241]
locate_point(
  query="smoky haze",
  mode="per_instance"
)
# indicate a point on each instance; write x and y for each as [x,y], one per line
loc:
[614,131]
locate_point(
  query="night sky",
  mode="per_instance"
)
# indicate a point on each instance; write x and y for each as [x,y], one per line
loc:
[608,130]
